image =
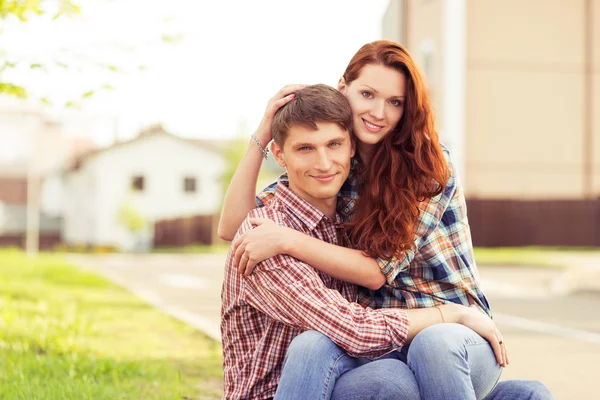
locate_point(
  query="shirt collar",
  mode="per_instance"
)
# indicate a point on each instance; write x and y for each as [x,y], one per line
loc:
[308,214]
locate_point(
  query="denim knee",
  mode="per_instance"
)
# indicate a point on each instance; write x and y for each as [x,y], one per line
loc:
[386,387]
[381,379]
[438,340]
[521,390]
[535,390]
[310,342]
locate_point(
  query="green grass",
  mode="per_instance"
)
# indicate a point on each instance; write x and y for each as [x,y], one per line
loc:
[69,334]
[530,256]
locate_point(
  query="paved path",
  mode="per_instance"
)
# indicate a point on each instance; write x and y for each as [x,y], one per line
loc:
[552,334]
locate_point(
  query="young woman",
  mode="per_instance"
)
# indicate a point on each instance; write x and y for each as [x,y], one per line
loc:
[405,216]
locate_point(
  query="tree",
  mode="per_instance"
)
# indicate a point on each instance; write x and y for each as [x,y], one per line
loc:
[23,10]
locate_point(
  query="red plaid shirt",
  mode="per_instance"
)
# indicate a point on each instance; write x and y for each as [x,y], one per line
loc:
[262,313]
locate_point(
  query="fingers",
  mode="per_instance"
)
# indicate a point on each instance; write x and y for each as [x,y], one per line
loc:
[250,264]
[282,97]
[235,243]
[498,352]
[281,102]
[242,266]
[289,89]
[239,252]
[502,347]
[259,221]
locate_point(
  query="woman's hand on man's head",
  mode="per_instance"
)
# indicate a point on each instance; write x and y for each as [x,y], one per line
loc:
[281,98]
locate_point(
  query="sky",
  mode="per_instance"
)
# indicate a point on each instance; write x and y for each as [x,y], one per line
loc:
[213,81]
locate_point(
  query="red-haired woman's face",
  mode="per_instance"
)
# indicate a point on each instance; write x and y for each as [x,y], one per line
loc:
[377,99]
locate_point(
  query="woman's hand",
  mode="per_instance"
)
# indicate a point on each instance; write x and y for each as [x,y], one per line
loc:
[264,241]
[479,322]
[281,98]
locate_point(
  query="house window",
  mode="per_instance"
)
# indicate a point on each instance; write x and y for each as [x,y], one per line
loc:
[137,183]
[189,185]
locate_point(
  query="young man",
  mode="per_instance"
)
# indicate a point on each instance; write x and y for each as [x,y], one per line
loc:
[262,313]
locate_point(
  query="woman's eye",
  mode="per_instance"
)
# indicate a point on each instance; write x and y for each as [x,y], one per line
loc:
[366,94]
[396,103]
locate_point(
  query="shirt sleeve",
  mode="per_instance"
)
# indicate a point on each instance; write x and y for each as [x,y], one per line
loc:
[432,211]
[292,292]
[268,193]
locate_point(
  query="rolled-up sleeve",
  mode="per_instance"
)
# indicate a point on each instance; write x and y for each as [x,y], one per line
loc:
[291,292]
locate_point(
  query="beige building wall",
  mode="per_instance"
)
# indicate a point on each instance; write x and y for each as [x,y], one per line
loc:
[393,22]
[424,29]
[525,99]
[595,45]
[529,103]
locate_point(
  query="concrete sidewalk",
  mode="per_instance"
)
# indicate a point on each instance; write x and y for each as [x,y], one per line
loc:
[553,336]
[581,275]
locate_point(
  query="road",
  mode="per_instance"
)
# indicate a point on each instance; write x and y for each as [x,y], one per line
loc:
[551,337]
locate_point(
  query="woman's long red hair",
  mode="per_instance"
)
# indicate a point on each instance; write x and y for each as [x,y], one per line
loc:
[407,167]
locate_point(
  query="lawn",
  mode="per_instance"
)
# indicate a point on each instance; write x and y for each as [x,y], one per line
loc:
[553,257]
[69,334]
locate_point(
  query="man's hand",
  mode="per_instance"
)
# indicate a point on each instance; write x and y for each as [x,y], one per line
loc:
[264,241]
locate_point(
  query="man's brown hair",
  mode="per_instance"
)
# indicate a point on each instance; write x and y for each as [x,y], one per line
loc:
[312,104]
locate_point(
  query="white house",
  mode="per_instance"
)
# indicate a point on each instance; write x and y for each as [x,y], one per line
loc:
[155,176]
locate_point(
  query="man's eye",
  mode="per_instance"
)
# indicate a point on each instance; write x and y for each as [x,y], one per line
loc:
[305,148]
[335,144]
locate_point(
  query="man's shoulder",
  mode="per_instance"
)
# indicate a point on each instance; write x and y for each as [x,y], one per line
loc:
[270,211]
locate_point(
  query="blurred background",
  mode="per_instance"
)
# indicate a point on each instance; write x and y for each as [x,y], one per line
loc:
[116,117]
[122,121]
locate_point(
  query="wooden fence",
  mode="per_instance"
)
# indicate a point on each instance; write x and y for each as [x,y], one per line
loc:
[494,223]
[199,229]
[534,223]
[47,241]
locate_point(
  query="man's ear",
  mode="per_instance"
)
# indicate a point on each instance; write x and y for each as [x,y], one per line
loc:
[342,86]
[278,154]
[353,144]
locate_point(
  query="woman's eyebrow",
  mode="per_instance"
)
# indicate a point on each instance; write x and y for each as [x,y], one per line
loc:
[376,91]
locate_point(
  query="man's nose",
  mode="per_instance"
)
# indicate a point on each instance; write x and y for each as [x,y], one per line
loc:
[323,162]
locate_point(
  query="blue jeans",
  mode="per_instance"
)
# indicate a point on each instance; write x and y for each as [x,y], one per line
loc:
[437,365]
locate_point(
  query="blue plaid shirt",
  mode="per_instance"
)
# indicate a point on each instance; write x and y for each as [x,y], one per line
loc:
[441,270]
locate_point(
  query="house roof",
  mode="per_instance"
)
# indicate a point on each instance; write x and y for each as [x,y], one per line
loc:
[150,131]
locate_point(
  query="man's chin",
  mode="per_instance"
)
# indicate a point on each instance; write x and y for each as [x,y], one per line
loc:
[325,193]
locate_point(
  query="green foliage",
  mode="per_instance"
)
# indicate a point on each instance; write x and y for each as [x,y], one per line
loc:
[13,90]
[130,218]
[21,9]
[24,9]
[172,38]
[68,334]
[233,154]
[520,256]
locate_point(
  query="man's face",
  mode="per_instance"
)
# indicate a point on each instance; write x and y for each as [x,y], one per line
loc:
[317,162]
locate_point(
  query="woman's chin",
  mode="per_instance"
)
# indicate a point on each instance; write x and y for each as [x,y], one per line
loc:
[369,138]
